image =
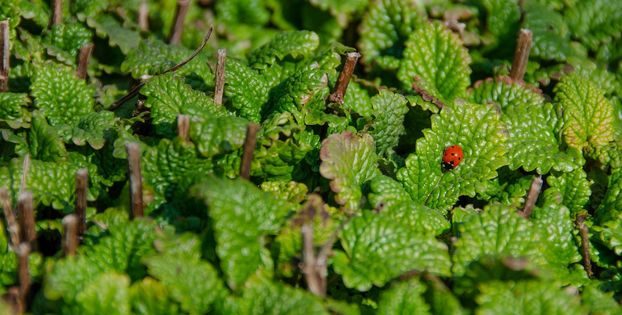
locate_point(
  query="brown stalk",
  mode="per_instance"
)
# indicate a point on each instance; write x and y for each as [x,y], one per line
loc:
[23,250]
[57,12]
[313,267]
[134,91]
[521,55]
[585,244]
[5,54]
[183,125]
[143,16]
[136,182]
[11,221]
[82,177]
[249,147]
[532,197]
[178,24]
[83,60]
[220,76]
[426,95]
[11,298]
[25,170]
[344,78]
[26,217]
[70,238]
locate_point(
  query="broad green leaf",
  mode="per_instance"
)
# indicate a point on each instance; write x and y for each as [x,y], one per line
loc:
[551,36]
[598,301]
[348,161]
[218,135]
[151,297]
[168,96]
[290,191]
[64,41]
[610,207]
[263,297]
[44,142]
[588,116]
[479,131]
[251,12]
[435,59]
[526,297]
[60,95]
[572,189]
[92,128]
[106,294]
[233,204]
[502,18]
[192,283]
[377,248]
[357,100]
[388,124]
[404,298]
[595,22]
[385,28]
[107,26]
[532,124]
[13,110]
[9,268]
[297,44]
[247,91]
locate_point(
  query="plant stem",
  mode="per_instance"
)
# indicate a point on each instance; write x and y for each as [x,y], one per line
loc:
[426,95]
[11,221]
[27,220]
[532,197]
[136,181]
[57,12]
[23,250]
[220,76]
[5,54]
[249,147]
[344,78]
[143,16]
[521,55]
[25,170]
[11,298]
[70,240]
[183,125]
[314,267]
[585,244]
[82,176]
[178,24]
[83,60]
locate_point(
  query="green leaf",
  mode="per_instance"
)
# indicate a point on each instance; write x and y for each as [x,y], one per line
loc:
[168,96]
[150,297]
[377,248]
[502,18]
[192,283]
[385,28]
[297,44]
[263,297]
[532,124]
[570,189]
[435,59]
[588,115]
[44,142]
[60,95]
[236,203]
[106,294]
[595,22]
[526,297]
[357,100]
[251,12]
[218,135]
[610,208]
[107,26]
[388,123]
[599,302]
[13,110]
[551,36]
[65,40]
[479,131]
[247,91]
[92,128]
[348,161]
[404,298]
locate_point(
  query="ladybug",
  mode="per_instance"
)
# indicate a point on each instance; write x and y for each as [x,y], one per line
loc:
[452,157]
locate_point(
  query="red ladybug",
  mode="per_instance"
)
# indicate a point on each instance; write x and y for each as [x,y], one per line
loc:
[452,157]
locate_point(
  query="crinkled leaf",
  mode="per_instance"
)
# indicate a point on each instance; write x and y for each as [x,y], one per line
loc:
[526,297]
[44,142]
[247,90]
[105,294]
[551,37]
[599,302]
[64,40]
[377,248]
[436,61]
[388,124]
[13,110]
[150,297]
[192,283]
[218,135]
[588,116]
[297,44]
[532,124]
[107,26]
[479,131]
[92,128]
[251,12]
[502,18]
[263,297]
[286,190]
[404,298]
[385,28]
[168,96]
[233,204]
[572,189]
[60,95]
[611,206]
[348,161]
[357,100]
[595,22]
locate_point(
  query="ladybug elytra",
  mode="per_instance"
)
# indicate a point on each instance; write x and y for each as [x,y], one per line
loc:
[452,157]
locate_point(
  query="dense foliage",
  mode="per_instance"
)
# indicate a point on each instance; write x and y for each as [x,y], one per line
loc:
[359,184]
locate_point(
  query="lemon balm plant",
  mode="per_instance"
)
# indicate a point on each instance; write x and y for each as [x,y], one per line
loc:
[310,157]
